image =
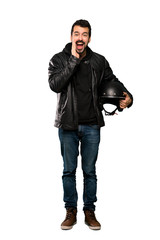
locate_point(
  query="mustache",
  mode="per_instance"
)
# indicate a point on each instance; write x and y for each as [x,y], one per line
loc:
[80,41]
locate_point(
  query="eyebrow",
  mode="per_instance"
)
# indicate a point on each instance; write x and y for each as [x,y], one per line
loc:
[82,33]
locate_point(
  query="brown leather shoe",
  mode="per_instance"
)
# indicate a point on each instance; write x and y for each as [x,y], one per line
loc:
[91,220]
[70,220]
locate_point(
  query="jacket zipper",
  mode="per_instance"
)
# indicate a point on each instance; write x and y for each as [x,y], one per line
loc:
[93,93]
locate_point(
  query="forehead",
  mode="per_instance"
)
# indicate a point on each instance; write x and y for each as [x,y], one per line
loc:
[80,29]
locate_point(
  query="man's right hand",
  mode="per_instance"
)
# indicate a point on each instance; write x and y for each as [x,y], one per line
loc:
[73,50]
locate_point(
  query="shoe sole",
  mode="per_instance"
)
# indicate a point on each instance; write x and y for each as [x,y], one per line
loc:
[67,227]
[93,228]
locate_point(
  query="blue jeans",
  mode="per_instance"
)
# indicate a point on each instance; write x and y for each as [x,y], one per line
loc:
[88,137]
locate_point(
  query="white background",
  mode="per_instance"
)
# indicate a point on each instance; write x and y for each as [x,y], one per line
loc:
[126,32]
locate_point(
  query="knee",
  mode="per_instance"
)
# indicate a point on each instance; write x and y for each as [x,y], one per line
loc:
[89,173]
[69,173]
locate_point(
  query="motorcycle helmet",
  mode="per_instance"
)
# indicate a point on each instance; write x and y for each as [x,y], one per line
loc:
[111,92]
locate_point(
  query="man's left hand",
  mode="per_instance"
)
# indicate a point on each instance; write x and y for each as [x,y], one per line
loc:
[126,102]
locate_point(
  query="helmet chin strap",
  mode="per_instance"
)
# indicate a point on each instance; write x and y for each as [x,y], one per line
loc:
[110,113]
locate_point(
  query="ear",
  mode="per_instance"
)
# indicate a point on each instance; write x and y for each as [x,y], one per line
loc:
[71,38]
[89,40]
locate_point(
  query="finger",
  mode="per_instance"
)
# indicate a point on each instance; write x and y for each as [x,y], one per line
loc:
[122,104]
[73,46]
[122,101]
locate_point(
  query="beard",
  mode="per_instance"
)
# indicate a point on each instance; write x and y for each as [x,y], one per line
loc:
[81,47]
[81,51]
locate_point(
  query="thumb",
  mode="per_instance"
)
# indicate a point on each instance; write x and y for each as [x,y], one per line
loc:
[125,94]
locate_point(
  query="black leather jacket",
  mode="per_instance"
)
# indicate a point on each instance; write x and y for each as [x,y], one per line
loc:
[61,71]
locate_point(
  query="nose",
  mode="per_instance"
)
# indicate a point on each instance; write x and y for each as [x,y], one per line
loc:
[80,37]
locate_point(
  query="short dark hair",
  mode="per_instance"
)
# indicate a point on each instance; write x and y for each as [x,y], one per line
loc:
[82,23]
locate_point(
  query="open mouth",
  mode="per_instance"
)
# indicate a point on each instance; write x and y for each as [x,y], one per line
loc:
[79,45]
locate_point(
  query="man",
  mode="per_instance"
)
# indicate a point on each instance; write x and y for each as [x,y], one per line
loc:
[75,74]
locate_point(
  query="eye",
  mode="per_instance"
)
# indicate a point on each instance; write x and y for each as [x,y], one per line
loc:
[85,34]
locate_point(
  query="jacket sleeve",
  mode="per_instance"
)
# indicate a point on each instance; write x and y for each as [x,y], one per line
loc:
[59,74]
[109,76]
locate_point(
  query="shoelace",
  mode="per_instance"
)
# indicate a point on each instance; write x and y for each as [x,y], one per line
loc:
[91,214]
[69,214]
